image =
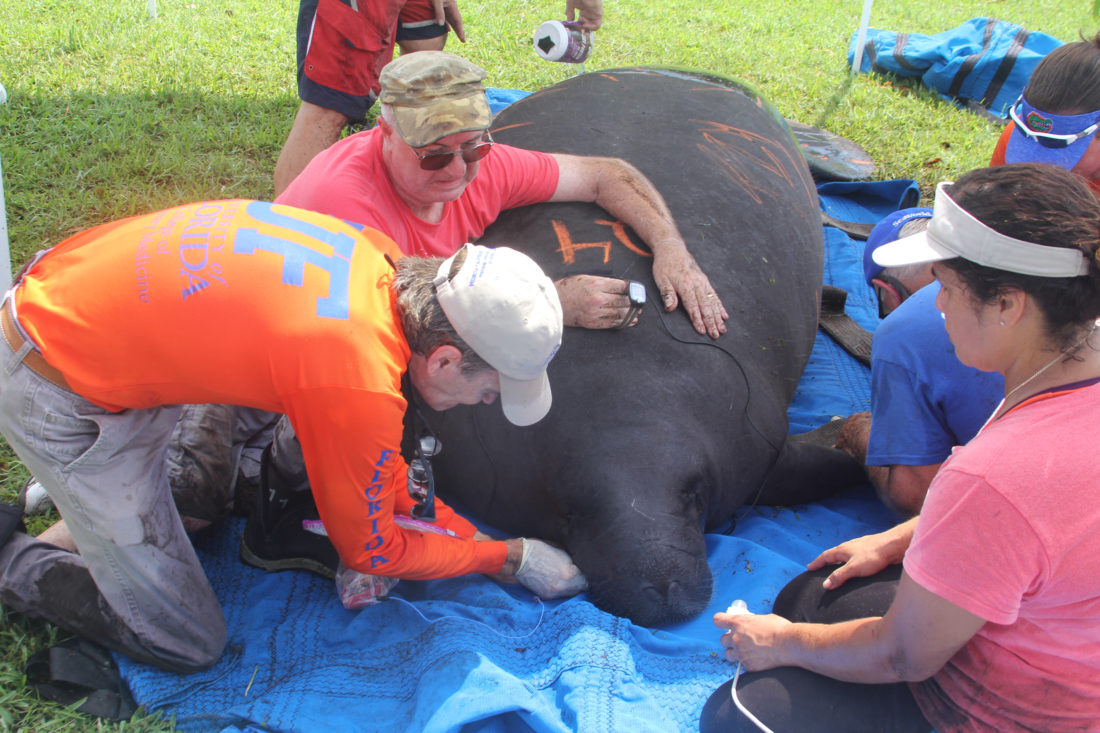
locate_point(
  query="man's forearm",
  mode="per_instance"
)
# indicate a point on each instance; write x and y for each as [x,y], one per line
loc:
[631,198]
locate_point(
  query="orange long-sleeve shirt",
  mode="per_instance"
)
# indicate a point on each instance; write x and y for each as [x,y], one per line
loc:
[260,305]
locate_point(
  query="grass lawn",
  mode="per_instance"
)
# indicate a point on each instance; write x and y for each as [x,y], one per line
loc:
[111,112]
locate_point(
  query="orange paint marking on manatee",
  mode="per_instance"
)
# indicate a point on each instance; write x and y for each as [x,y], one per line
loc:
[512,127]
[569,248]
[760,150]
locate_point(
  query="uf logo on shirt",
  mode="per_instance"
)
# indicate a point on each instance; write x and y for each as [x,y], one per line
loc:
[296,256]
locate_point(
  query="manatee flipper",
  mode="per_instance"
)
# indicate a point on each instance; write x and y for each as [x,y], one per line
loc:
[806,472]
[825,436]
[830,156]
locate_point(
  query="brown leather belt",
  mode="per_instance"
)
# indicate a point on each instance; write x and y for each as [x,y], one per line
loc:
[34,359]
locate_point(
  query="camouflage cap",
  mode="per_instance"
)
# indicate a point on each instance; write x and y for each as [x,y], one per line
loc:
[434,94]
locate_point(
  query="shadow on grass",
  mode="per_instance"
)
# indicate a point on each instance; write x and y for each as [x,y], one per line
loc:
[830,107]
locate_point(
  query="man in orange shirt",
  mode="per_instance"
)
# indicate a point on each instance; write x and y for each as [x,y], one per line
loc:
[268,307]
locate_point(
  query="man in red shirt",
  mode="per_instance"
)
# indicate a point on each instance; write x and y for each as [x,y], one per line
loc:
[267,307]
[431,178]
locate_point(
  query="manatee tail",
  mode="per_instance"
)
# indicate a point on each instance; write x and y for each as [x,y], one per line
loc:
[806,472]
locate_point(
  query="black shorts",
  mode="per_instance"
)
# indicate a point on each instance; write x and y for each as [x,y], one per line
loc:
[342,48]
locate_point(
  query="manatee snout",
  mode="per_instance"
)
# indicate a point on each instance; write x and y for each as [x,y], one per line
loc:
[651,584]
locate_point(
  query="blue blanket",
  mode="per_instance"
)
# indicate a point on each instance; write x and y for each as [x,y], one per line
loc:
[473,655]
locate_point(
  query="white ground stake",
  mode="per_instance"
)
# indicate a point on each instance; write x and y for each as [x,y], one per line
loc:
[5,246]
[861,37]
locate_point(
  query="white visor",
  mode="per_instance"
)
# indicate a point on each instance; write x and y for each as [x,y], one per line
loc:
[952,232]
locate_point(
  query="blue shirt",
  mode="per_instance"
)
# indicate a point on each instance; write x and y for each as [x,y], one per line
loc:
[924,401]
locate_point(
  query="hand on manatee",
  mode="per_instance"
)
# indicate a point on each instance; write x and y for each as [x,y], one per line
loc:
[853,436]
[679,279]
[862,556]
[591,301]
[549,572]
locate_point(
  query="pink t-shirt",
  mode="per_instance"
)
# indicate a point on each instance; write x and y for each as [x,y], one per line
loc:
[1010,531]
[349,180]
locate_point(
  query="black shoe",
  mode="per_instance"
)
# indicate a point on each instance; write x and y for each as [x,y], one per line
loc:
[76,670]
[276,535]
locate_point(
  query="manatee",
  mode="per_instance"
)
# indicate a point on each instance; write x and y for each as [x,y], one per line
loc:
[658,434]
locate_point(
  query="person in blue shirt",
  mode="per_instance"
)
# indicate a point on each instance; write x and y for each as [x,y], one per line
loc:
[924,401]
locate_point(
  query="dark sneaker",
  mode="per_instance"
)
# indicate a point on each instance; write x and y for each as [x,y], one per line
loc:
[284,531]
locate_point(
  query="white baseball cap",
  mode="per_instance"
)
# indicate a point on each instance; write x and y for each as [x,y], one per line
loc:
[502,304]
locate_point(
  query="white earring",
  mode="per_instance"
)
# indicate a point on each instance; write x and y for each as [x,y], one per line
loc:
[1002,323]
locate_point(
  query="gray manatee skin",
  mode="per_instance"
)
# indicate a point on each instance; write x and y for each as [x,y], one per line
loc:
[657,433]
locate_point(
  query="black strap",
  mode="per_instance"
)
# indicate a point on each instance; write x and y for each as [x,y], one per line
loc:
[1005,67]
[851,336]
[972,60]
[870,52]
[900,42]
[75,670]
[854,229]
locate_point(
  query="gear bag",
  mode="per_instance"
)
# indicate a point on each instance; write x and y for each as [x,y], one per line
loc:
[984,62]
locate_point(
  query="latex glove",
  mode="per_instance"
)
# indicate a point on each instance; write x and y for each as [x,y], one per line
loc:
[549,572]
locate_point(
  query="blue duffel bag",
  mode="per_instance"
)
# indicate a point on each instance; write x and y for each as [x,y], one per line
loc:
[984,62]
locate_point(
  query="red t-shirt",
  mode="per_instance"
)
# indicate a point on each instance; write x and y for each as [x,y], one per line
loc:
[260,305]
[1010,531]
[349,180]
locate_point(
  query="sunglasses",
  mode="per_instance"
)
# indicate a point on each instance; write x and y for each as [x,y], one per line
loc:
[436,161]
[1048,139]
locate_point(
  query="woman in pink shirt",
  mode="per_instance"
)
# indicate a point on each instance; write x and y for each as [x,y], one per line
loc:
[983,613]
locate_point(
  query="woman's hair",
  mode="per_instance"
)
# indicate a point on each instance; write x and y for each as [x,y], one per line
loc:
[423,320]
[1043,204]
[1067,80]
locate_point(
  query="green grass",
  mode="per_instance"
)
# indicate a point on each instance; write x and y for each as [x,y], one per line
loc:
[111,113]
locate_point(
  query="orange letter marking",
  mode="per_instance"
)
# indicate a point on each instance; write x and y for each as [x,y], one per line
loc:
[569,248]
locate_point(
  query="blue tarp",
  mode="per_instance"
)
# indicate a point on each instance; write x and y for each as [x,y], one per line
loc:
[470,654]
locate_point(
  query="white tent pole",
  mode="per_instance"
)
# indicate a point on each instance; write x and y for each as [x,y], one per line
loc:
[152,8]
[5,245]
[861,37]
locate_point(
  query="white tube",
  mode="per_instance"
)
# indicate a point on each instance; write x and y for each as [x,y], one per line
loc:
[861,36]
[5,245]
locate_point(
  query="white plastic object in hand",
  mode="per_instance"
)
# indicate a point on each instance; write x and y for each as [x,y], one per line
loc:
[548,571]
[738,608]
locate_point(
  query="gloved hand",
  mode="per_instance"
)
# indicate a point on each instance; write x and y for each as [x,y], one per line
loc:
[549,572]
